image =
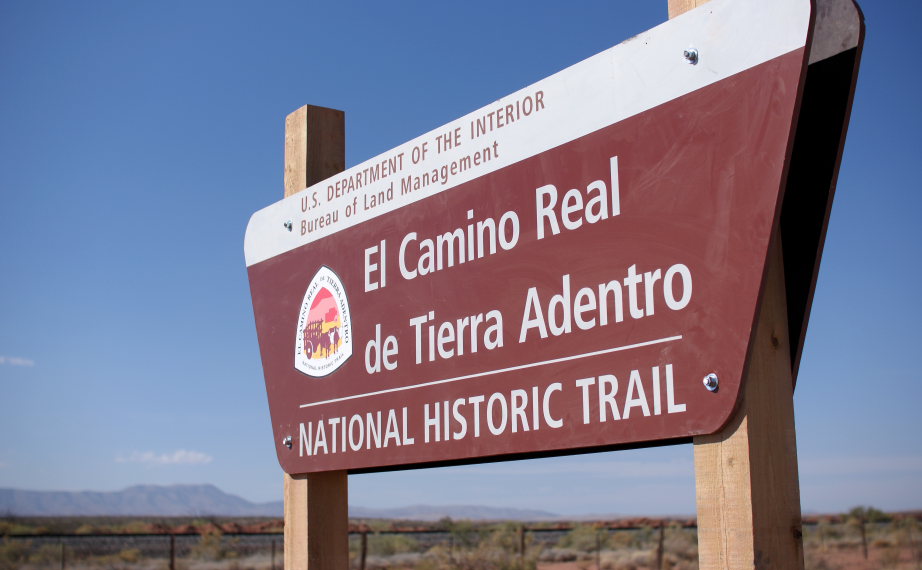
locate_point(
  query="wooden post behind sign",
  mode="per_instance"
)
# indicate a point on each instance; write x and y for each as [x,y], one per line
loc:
[746,480]
[746,476]
[316,505]
[677,7]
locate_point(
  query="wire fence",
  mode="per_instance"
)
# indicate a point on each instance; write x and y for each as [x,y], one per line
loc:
[463,545]
[369,549]
[113,551]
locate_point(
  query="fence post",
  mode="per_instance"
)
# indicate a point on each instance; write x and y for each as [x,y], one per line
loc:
[659,546]
[172,552]
[522,543]
[63,557]
[272,563]
[316,505]
[364,550]
[598,549]
[912,543]
[864,536]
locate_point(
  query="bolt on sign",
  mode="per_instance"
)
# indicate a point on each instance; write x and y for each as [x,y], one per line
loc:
[575,266]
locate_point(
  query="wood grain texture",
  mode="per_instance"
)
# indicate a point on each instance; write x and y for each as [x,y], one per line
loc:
[677,7]
[316,505]
[317,521]
[746,476]
[315,146]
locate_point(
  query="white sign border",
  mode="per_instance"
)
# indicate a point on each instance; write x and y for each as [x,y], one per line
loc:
[650,69]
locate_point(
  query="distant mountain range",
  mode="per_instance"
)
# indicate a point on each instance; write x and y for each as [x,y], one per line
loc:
[458,512]
[150,500]
[208,500]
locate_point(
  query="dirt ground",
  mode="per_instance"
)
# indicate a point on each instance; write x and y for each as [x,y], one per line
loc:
[847,559]
[884,559]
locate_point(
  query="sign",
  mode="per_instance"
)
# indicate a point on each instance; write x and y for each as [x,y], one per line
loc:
[563,269]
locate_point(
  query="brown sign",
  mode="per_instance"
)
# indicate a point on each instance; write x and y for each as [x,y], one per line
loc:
[598,293]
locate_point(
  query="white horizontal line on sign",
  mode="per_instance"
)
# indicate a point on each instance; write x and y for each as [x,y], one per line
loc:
[497,371]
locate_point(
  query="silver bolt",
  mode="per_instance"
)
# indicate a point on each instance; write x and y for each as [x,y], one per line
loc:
[711,382]
[287,441]
[691,55]
[288,225]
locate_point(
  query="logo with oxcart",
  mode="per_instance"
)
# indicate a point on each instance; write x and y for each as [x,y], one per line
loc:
[323,340]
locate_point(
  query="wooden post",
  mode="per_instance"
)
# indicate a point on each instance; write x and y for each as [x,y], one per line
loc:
[316,505]
[660,545]
[173,552]
[677,7]
[746,479]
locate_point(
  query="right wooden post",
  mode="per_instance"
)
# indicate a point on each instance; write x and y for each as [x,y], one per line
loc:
[677,7]
[746,479]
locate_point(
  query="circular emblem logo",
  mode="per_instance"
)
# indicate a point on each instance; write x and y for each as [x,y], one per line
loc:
[323,341]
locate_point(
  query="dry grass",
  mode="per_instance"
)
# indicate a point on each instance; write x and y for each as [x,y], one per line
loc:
[832,544]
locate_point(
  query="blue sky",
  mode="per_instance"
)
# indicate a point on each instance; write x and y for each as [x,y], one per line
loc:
[137,138]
